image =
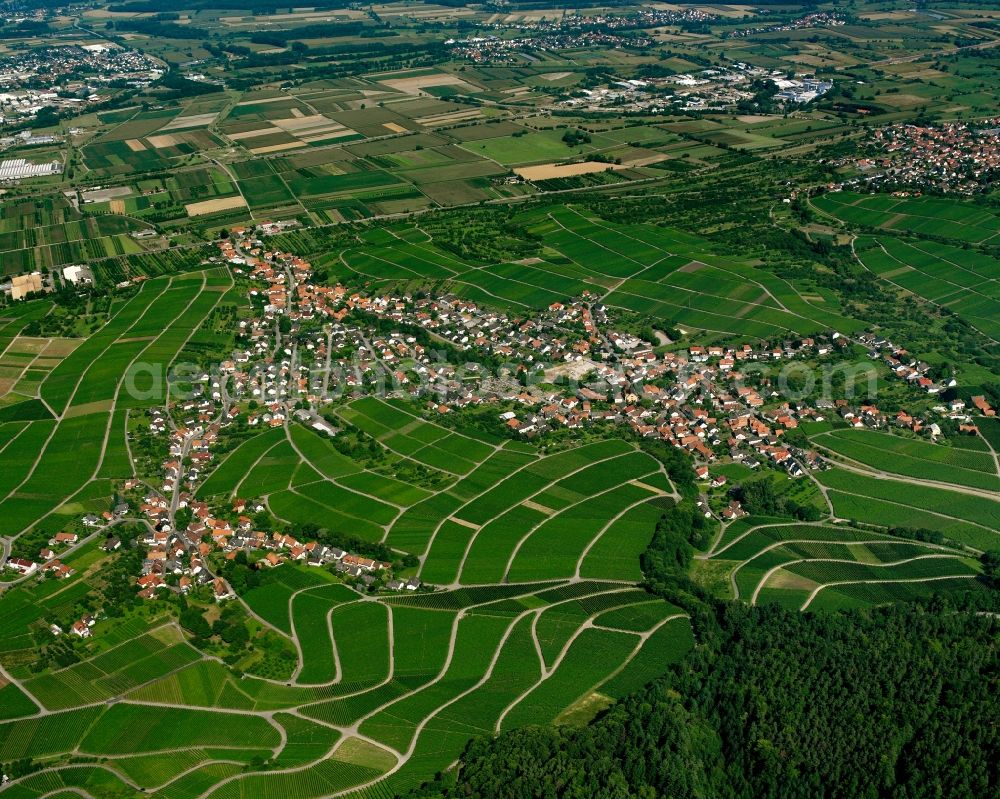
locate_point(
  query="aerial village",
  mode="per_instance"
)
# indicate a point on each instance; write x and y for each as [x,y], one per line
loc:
[816,19]
[702,399]
[567,367]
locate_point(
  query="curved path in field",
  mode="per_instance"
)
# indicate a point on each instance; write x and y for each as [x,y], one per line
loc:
[400,758]
[767,576]
[819,588]
[858,467]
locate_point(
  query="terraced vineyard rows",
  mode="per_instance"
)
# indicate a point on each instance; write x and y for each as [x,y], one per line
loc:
[441,675]
[666,274]
[797,564]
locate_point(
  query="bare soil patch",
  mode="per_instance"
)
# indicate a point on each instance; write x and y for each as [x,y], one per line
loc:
[584,710]
[252,134]
[550,171]
[417,82]
[193,121]
[29,344]
[61,347]
[573,369]
[276,148]
[646,160]
[786,579]
[300,122]
[211,206]
[101,195]
[162,140]
[455,116]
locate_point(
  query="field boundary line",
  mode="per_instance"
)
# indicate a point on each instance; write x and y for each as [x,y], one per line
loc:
[819,588]
[777,544]
[903,562]
[546,487]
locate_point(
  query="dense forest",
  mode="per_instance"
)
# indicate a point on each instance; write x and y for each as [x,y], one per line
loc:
[899,701]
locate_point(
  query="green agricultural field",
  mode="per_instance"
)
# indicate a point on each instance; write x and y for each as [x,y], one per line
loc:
[962,281]
[913,458]
[271,599]
[653,270]
[972,520]
[799,584]
[532,147]
[576,674]
[927,215]
[399,692]
[783,562]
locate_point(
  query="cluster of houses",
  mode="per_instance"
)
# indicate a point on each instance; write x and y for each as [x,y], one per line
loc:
[453,321]
[958,157]
[816,19]
[689,402]
[698,400]
[69,77]
[871,416]
[902,364]
[176,559]
[571,30]
[190,450]
[103,63]
[184,553]
[704,400]
[50,564]
[502,49]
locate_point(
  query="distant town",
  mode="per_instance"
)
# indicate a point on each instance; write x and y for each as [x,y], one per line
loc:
[954,157]
[68,78]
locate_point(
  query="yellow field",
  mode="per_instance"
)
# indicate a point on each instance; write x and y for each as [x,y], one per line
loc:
[211,206]
[162,140]
[277,148]
[414,84]
[549,171]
